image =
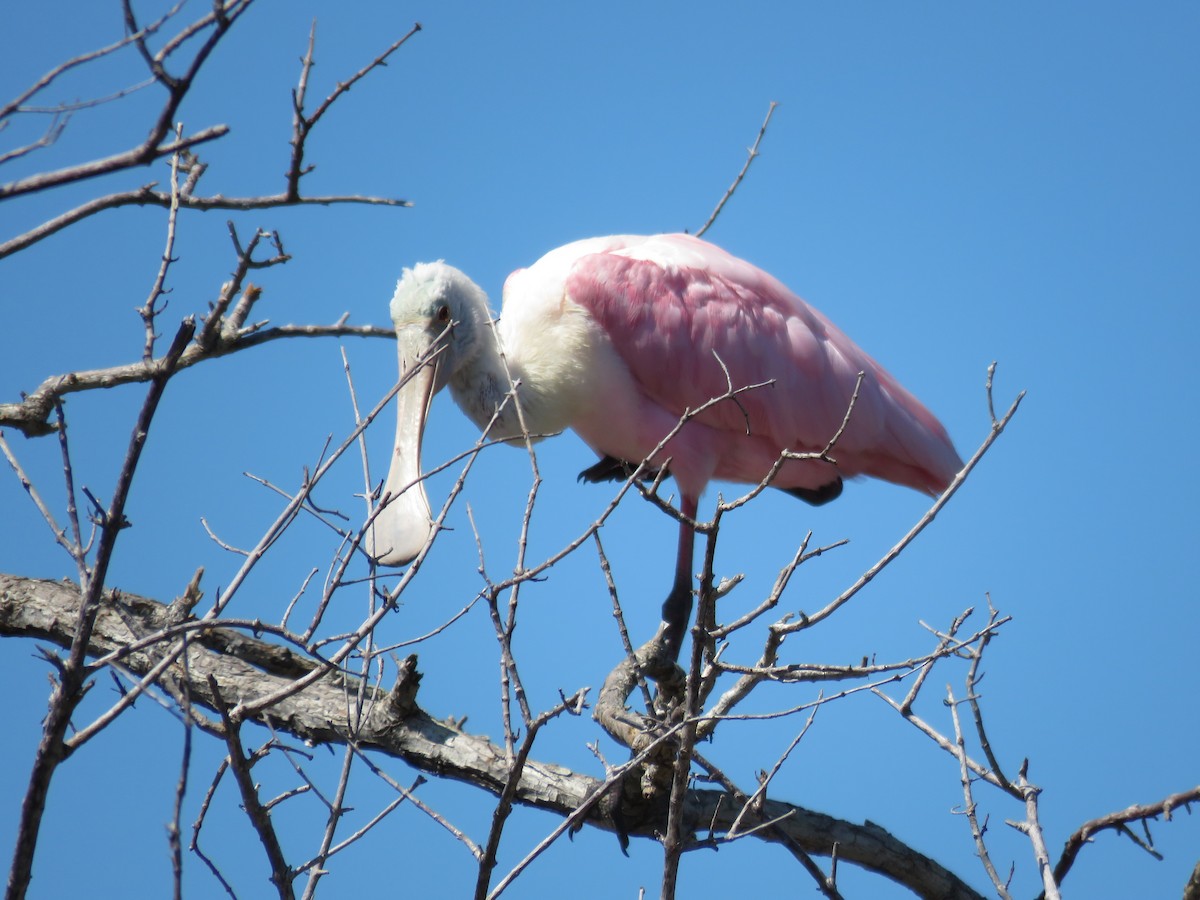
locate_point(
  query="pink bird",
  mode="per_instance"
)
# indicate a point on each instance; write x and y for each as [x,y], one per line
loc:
[619,337]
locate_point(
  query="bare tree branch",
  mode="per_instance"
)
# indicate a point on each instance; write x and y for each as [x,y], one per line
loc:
[302,124]
[31,415]
[281,873]
[1116,820]
[220,20]
[970,809]
[397,727]
[52,133]
[1032,828]
[750,157]
[148,196]
[128,159]
[997,429]
[72,682]
[153,147]
[18,103]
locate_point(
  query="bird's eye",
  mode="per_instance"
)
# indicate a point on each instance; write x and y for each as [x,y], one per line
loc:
[443,314]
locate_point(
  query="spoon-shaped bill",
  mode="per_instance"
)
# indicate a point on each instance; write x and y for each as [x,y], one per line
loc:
[403,526]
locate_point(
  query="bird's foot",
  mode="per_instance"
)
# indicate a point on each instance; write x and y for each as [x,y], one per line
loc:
[612,469]
[652,660]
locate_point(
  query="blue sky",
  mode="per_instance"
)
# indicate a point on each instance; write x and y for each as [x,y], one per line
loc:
[952,185]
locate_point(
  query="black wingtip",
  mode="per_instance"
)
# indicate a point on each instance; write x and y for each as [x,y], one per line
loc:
[817,496]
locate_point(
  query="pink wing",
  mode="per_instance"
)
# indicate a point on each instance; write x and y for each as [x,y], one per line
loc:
[672,304]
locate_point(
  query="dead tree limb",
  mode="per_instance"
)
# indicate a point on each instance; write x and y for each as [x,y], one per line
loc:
[247,668]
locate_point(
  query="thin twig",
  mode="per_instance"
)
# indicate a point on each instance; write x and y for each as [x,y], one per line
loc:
[60,535]
[313,864]
[1114,821]
[146,195]
[504,804]
[108,165]
[969,806]
[16,104]
[281,873]
[408,794]
[150,309]
[619,615]
[583,810]
[302,125]
[827,885]
[174,830]
[198,824]
[863,580]
[155,146]
[1032,828]
[31,414]
[974,676]
[71,686]
[751,154]
[755,800]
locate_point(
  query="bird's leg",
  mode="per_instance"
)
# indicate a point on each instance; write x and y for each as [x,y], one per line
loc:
[677,608]
[656,659]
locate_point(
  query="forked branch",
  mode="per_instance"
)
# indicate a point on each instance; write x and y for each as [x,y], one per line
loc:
[217,23]
[42,609]
[157,144]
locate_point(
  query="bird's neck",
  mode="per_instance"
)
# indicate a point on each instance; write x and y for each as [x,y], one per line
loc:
[547,364]
[483,388]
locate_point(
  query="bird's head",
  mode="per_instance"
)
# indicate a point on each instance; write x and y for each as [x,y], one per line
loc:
[441,317]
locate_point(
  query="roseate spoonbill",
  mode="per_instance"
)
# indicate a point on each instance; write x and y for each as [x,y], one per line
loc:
[616,337]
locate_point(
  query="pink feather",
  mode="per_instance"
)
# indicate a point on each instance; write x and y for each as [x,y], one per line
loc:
[672,304]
